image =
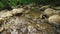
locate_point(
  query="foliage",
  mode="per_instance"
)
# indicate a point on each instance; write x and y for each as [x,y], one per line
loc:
[1,5]
[5,3]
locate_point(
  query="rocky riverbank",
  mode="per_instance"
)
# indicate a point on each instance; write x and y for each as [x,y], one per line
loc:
[30,19]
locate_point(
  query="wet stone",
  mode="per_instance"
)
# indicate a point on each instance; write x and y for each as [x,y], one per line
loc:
[55,19]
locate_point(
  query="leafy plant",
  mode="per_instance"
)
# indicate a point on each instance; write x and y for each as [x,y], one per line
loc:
[1,5]
[5,3]
[14,3]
